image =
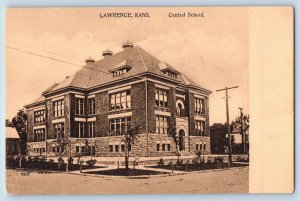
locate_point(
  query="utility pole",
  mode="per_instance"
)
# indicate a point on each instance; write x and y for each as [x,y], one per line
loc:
[228,125]
[242,131]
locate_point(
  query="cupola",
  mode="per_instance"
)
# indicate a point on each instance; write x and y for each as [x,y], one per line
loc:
[89,60]
[107,53]
[127,45]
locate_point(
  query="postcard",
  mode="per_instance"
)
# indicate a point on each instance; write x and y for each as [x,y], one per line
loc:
[149,100]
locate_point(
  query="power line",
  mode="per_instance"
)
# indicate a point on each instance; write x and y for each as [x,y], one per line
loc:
[50,52]
[52,58]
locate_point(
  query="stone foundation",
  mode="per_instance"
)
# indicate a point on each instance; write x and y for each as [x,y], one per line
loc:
[113,146]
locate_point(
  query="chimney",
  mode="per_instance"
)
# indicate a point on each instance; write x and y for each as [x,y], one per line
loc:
[107,53]
[127,45]
[89,60]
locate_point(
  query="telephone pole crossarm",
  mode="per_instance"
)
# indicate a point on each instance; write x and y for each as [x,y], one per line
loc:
[226,88]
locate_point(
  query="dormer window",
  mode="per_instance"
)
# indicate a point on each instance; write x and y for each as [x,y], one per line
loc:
[171,74]
[121,68]
[120,71]
[168,70]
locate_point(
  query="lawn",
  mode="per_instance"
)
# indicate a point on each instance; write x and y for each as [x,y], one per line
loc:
[197,166]
[124,172]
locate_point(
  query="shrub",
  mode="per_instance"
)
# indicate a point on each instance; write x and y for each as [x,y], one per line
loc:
[161,162]
[91,163]
[60,163]
[195,161]
[218,159]
[70,160]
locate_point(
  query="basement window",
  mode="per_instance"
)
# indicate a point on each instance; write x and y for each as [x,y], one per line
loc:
[111,148]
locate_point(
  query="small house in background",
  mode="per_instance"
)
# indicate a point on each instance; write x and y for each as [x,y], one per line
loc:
[219,140]
[12,141]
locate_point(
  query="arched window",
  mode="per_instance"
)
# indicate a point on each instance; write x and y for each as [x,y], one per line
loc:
[180,108]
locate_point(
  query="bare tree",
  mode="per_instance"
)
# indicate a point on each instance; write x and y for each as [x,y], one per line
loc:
[175,137]
[130,136]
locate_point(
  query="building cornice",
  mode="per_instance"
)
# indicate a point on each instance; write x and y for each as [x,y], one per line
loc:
[76,90]
[34,105]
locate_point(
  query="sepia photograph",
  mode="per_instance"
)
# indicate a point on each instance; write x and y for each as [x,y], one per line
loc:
[128,100]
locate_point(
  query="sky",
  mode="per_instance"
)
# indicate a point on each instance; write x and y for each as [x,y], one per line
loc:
[212,51]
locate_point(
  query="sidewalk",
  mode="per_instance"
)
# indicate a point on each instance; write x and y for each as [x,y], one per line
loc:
[153,160]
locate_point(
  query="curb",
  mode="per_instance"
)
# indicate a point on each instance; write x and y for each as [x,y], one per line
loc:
[165,174]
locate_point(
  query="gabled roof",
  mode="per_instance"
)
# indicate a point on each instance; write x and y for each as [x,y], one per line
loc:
[12,133]
[98,73]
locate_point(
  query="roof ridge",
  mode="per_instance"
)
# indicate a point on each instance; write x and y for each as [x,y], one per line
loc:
[142,57]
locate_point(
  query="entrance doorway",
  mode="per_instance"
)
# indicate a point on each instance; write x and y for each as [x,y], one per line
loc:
[181,140]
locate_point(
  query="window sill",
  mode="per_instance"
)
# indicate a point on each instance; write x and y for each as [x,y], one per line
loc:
[162,109]
[79,115]
[120,111]
[197,114]
[58,117]
[38,124]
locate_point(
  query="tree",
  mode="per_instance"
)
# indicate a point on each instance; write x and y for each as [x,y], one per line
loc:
[175,137]
[243,124]
[237,123]
[63,142]
[130,137]
[19,123]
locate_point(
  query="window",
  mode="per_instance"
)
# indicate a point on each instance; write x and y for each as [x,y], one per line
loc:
[122,147]
[93,150]
[91,106]
[199,146]
[80,129]
[168,147]
[111,148]
[39,116]
[204,146]
[91,131]
[120,71]
[117,148]
[77,149]
[39,135]
[119,126]
[79,106]
[170,74]
[199,128]
[163,147]
[120,100]
[162,125]
[161,98]
[59,107]
[199,106]
[59,130]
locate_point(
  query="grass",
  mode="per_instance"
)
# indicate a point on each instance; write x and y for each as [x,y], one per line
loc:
[197,167]
[124,172]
